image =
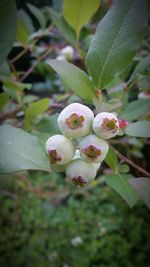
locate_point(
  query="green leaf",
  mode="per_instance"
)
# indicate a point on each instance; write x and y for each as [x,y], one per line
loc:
[116,41]
[111,159]
[5,69]
[78,13]
[142,187]
[124,168]
[24,27]
[75,78]
[34,110]
[136,109]
[20,151]
[43,137]
[15,89]
[38,15]
[138,129]
[111,105]
[3,100]
[58,5]
[49,125]
[29,98]
[8,25]
[63,27]
[140,68]
[119,182]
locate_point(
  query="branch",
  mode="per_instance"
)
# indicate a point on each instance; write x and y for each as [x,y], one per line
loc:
[29,71]
[18,56]
[140,169]
[9,114]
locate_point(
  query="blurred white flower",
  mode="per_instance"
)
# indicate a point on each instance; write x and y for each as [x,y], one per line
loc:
[76,241]
[143,95]
[66,53]
[103,230]
[65,265]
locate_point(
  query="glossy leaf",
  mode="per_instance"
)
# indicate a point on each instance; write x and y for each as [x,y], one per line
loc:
[20,151]
[8,25]
[78,13]
[140,68]
[34,110]
[142,187]
[138,129]
[119,182]
[75,78]
[63,27]
[116,40]
[136,109]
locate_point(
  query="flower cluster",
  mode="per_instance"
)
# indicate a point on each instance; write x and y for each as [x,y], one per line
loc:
[82,146]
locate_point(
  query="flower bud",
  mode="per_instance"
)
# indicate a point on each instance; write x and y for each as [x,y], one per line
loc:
[60,149]
[81,172]
[123,123]
[106,125]
[75,120]
[93,149]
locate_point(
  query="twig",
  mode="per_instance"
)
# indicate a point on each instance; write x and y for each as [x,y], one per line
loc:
[18,56]
[140,169]
[6,193]
[29,71]
[9,114]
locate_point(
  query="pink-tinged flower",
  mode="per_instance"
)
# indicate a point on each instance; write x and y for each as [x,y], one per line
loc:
[93,149]
[60,150]
[75,120]
[106,125]
[81,172]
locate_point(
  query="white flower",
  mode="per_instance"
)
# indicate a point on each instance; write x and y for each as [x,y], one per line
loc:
[81,172]
[75,120]
[106,125]
[60,149]
[93,149]
[67,51]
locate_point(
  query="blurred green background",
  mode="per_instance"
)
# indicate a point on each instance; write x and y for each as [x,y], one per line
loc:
[46,222]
